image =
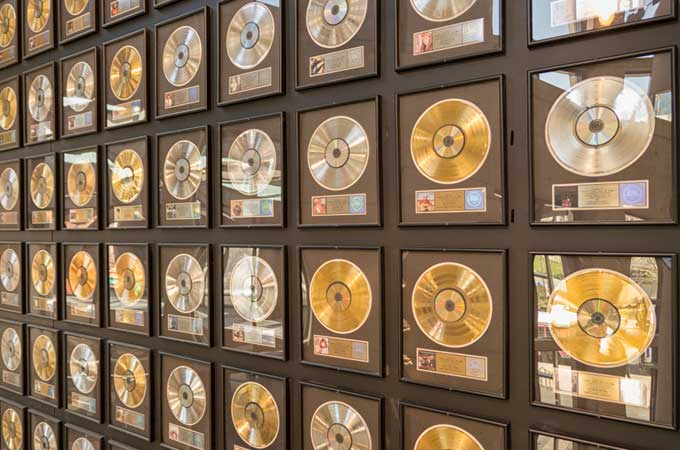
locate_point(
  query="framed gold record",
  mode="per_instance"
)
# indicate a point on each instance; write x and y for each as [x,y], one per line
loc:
[11,195]
[116,11]
[79,84]
[10,112]
[38,30]
[14,424]
[10,15]
[44,365]
[84,375]
[77,18]
[80,179]
[78,438]
[40,104]
[129,286]
[127,183]
[43,274]
[13,356]
[40,185]
[43,431]
[131,389]
[82,279]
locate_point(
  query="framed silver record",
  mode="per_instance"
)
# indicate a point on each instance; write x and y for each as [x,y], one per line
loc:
[13,356]
[44,432]
[116,11]
[10,112]
[80,185]
[11,195]
[84,374]
[77,18]
[39,27]
[10,50]
[79,83]
[40,104]
[78,438]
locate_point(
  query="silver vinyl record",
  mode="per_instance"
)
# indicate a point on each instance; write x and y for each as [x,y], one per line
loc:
[44,437]
[186,395]
[441,10]
[338,426]
[332,23]
[251,162]
[40,98]
[185,283]
[250,35]
[84,368]
[183,169]
[82,444]
[10,269]
[338,153]
[182,55]
[600,126]
[10,349]
[80,85]
[9,183]
[254,289]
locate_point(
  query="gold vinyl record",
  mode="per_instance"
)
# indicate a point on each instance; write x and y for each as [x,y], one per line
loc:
[446,437]
[127,176]
[9,183]
[82,275]
[12,429]
[128,278]
[44,358]
[125,74]
[129,380]
[186,395]
[10,349]
[338,153]
[441,10]
[75,7]
[601,318]
[10,269]
[82,444]
[38,13]
[84,368]
[43,272]
[81,182]
[337,426]
[340,296]
[185,283]
[250,35]
[183,169]
[80,84]
[600,126]
[333,23]
[251,162]
[255,415]
[40,98]
[450,141]
[451,304]
[8,24]
[182,55]
[8,106]
[253,288]
[44,437]
[42,185]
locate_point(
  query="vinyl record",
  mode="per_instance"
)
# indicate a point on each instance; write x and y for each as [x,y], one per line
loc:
[450,141]
[250,35]
[38,14]
[40,97]
[42,185]
[82,275]
[183,169]
[82,444]
[337,426]
[600,126]
[186,395]
[182,55]
[332,23]
[128,279]
[10,349]
[254,289]
[255,415]
[44,358]
[43,272]
[127,176]
[441,10]
[8,24]
[129,380]
[601,318]
[338,153]
[84,368]
[452,304]
[80,84]
[81,182]
[12,429]
[125,74]
[44,437]
[446,437]
[8,106]
[340,296]
[251,162]
[9,183]
[75,7]
[10,269]
[185,283]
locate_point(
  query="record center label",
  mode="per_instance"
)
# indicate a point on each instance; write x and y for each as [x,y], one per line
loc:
[131,418]
[43,389]
[566,12]
[339,205]
[452,364]
[249,334]
[11,378]
[451,201]
[78,121]
[183,211]
[44,217]
[128,213]
[83,403]
[119,7]
[184,324]
[186,436]
[448,37]
[607,388]
[78,24]
[39,40]
[340,61]
[333,347]
[8,137]
[602,196]
[251,208]
[249,81]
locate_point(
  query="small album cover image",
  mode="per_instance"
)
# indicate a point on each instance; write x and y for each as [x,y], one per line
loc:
[79,83]
[127,182]
[80,187]
[84,376]
[40,104]
[77,18]
[13,356]
[42,264]
[38,31]
[82,439]
[44,431]
[9,36]
[44,372]
[82,274]
[116,11]
[131,391]
[41,192]
[129,286]
[10,113]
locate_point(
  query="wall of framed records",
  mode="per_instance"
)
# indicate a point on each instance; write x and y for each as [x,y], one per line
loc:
[339,224]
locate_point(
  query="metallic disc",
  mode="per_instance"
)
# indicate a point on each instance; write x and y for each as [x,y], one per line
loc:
[337,426]
[80,84]
[126,72]
[340,296]
[10,269]
[38,14]
[129,380]
[338,153]
[446,437]
[12,429]
[601,318]
[186,395]
[450,141]
[183,169]
[75,7]
[451,304]
[40,98]
[8,105]
[82,444]
[332,23]
[185,283]
[251,162]
[81,182]
[9,183]
[127,176]
[255,415]
[182,55]
[44,358]
[600,126]
[8,24]
[10,349]
[128,278]
[44,437]
[42,185]
[82,275]
[250,35]
[254,289]
[441,10]
[84,368]
[43,272]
